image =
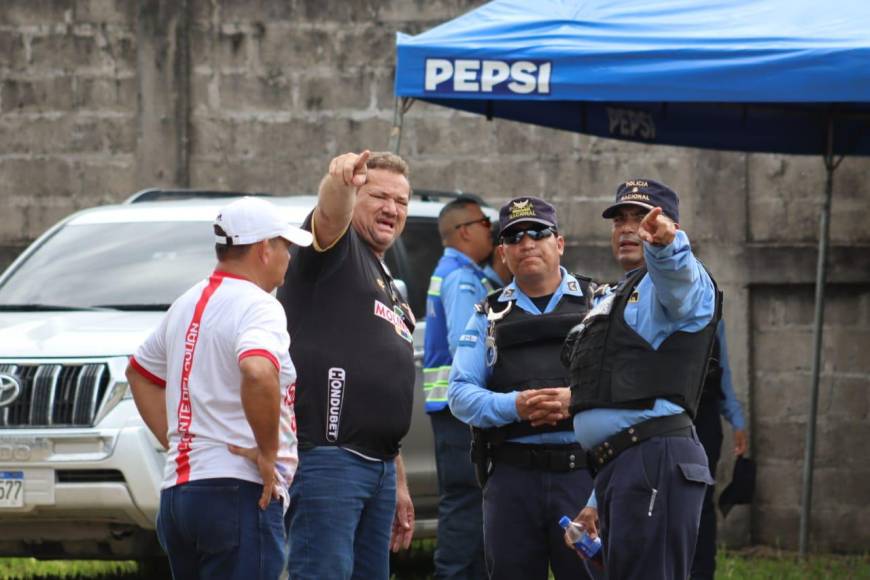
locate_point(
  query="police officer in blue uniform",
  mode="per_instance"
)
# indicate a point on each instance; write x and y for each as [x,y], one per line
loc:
[457,284]
[717,398]
[637,364]
[508,382]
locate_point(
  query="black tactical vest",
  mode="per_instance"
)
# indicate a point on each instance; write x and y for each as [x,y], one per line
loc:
[711,393]
[528,350]
[612,366]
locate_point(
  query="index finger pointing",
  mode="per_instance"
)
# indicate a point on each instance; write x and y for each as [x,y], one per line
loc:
[361,160]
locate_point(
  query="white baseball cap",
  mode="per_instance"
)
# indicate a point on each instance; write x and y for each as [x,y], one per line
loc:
[252,219]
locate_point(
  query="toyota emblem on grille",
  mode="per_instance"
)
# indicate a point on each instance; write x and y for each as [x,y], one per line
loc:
[10,388]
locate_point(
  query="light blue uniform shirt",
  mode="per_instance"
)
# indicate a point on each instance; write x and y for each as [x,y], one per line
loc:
[469,399]
[676,294]
[729,406]
[461,289]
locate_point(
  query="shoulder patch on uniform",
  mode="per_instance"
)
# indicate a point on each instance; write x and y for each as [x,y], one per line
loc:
[573,286]
[466,287]
[434,286]
[634,296]
[469,338]
[507,294]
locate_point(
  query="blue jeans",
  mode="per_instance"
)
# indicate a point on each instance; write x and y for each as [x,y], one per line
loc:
[213,528]
[459,552]
[341,516]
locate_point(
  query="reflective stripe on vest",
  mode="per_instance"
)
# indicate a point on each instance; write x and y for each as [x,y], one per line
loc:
[434,286]
[435,383]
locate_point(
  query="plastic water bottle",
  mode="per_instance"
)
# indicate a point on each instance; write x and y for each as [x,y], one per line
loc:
[590,548]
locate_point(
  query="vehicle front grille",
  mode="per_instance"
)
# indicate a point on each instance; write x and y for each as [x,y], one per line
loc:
[55,395]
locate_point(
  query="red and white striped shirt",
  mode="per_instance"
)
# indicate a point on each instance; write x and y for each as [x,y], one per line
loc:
[195,353]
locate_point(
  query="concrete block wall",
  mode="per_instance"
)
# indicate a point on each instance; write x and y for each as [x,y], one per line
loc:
[99,98]
[67,111]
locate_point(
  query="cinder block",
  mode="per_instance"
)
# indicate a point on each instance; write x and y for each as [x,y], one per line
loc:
[296,48]
[30,12]
[336,92]
[843,487]
[342,11]
[365,45]
[344,134]
[106,11]
[225,47]
[778,526]
[785,197]
[838,529]
[450,138]
[436,11]
[106,94]
[782,395]
[247,92]
[843,305]
[212,137]
[782,351]
[48,94]
[778,482]
[839,443]
[66,51]
[12,49]
[848,397]
[779,440]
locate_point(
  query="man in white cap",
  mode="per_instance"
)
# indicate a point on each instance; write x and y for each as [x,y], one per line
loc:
[215,385]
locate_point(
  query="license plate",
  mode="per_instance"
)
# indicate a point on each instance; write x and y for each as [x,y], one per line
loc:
[11,489]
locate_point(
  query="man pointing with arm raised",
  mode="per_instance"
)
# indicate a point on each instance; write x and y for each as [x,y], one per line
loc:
[350,334]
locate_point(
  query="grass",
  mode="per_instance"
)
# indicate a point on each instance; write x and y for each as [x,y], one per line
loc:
[757,563]
[763,563]
[30,568]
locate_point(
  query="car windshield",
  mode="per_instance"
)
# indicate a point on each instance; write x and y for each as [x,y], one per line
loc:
[143,265]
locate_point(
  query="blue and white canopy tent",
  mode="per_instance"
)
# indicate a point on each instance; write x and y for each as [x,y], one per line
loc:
[787,76]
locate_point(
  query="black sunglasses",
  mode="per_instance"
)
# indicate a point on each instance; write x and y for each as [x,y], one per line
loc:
[484,220]
[516,237]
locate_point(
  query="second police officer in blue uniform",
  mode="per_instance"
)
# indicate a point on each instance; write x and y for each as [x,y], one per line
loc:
[637,364]
[457,284]
[508,382]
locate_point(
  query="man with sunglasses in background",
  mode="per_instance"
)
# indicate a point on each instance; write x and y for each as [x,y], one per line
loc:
[508,382]
[457,284]
[637,363]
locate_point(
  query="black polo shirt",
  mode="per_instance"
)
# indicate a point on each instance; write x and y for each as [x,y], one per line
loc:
[351,344]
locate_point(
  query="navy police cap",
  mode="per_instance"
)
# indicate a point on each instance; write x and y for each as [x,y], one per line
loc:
[648,194]
[526,209]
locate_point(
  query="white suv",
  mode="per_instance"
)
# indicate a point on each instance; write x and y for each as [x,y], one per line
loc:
[79,471]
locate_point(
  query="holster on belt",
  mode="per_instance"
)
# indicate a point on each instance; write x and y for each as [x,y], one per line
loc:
[481,454]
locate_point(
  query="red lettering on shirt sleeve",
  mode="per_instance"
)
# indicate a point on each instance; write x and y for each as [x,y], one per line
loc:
[263,353]
[146,373]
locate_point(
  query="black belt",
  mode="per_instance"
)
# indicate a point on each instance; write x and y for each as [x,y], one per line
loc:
[558,458]
[669,426]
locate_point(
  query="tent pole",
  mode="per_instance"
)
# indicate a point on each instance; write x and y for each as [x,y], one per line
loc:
[818,321]
[403,104]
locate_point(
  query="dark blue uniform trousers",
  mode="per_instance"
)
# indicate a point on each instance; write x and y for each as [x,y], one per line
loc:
[709,427]
[521,511]
[459,551]
[649,507]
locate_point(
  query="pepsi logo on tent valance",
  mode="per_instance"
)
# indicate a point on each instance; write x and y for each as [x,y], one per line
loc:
[500,77]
